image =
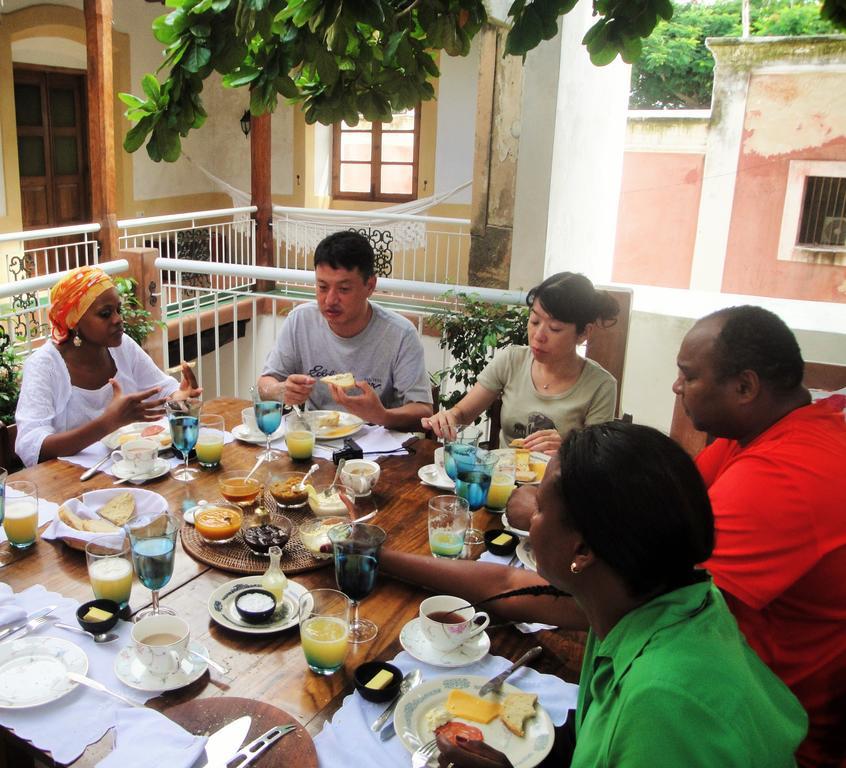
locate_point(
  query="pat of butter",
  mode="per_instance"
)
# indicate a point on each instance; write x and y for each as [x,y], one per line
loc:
[379,680]
[470,707]
[501,540]
[97,614]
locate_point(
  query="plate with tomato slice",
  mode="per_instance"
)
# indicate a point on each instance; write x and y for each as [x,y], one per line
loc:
[417,715]
[159,432]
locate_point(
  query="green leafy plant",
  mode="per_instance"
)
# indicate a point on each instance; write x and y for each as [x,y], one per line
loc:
[10,378]
[471,334]
[138,323]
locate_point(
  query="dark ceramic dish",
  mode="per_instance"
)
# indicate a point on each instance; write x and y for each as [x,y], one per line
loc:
[503,550]
[252,615]
[367,671]
[98,626]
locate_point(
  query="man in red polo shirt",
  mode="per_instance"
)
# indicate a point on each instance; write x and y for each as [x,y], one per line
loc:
[777,480]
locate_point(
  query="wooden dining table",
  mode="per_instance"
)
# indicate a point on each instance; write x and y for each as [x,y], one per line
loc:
[268,668]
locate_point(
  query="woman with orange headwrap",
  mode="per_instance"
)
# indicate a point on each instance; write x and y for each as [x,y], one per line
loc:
[73,389]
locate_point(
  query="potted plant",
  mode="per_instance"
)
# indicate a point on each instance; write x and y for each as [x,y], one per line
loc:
[138,323]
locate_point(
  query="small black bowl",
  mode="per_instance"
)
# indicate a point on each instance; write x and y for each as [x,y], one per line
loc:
[367,671]
[98,626]
[255,617]
[501,549]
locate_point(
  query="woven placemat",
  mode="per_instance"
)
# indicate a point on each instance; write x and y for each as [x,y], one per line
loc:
[235,557]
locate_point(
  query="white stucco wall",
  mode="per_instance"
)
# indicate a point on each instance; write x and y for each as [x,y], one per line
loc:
[52,51]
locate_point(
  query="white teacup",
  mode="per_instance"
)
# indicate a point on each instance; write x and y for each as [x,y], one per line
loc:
[161,642]
[248,416]
[462,622]
[360,475]
[139,455]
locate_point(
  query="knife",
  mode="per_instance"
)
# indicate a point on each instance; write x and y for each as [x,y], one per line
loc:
[91,472]
[495,682]
[408,682]
[35,615]
[256,747]
[225,742]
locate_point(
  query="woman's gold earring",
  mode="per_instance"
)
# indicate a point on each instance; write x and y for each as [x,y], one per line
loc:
[77,341]
[575,568]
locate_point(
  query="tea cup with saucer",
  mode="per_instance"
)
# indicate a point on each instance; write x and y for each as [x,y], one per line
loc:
[137,457]
[161,642]
[360,475]
[448,622]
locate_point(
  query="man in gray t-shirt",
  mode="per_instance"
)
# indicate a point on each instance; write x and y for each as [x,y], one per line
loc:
[344,333]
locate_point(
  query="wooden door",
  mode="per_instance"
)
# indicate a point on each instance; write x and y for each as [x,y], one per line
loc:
[52,141]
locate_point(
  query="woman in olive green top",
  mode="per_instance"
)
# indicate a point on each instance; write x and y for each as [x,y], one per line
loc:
[547,387]
[667,678]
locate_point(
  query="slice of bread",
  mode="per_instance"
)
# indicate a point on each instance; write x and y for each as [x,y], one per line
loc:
[515,709]
[119,510]
[331,419]
[78,524]
[342,380]
[517,442]
[525,476]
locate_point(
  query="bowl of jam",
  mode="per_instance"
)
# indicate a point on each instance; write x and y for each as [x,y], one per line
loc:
[274,533]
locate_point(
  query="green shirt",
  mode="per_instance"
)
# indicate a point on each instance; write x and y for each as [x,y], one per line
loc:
[675,684]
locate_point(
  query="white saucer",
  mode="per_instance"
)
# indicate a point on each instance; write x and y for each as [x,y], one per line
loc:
[526,555]
[434,475]
[413,640]
[123,471]
[130,671]
[511,528]
[243,433]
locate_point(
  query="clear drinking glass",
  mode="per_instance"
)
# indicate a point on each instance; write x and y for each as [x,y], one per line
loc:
[210,440]
[268,419]
[110,568]
[184,419]
[3,475]
[325,629]
[460,451]
[503,483]
[356,547]
[449,518]
[20,513]
[153,548]
[299,437]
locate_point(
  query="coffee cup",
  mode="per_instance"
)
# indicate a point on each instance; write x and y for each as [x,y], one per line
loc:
[448,622]
[139,455]
[360,475]
[248,416]
[161,642]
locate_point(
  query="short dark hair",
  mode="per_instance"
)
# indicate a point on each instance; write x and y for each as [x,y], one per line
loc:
[755,339]
[346,250]
[571,298]
[639,502]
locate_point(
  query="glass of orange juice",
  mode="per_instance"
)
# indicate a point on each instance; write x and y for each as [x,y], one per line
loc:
[325,629]
[209,446]
[299,437]
[110,568]
[20,520]
[502,484]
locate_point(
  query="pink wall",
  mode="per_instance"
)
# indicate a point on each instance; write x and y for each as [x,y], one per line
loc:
[656,223]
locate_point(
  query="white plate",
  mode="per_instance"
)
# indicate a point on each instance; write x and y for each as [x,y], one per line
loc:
[246,435]
[523,751]
[130,671]
[347,425]
[507,454]
[509,527]
[434,475]
[526,555]
[122,470]
[414,641]
[34,670]
[115,439]
[222,607]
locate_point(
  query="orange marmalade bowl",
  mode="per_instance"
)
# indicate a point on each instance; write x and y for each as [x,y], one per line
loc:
[218,522]
[235,487]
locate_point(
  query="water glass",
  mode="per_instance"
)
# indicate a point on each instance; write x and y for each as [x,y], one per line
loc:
[20,513]
[299,437]
[184,419]
[210,440]
[474,477]
[460,452]
[449,518]
[153,548]
[110,568]
[3,475]
[268,414]
[325,629]
[356,547]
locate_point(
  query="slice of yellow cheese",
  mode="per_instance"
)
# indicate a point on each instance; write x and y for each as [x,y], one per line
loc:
[470,707]
[379,680]
[97,614]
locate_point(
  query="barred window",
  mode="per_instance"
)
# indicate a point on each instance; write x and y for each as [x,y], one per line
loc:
[823,221]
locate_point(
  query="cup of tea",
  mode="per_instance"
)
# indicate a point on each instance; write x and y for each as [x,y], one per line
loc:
[139,455]
[360,475]
[161,642]
[448,622]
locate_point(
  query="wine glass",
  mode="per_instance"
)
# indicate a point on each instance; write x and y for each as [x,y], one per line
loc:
[153,548]
[356,547]
[184,419]
[268,419]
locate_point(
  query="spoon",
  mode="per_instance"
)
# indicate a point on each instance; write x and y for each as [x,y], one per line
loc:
[312,469]
[257,465]
[100,637]
[328,492]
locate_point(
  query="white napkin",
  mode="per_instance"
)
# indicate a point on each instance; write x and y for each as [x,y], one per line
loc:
[351,723]
[375,442]
[10,613]
[46,512]
[144,737]
[148,504]
[67,726]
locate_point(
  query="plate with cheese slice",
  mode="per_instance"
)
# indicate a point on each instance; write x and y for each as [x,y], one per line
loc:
[156,431]
[530,465]
[510,720]
[333,425]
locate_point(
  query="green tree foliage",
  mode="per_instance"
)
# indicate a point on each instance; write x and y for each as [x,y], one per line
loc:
[676,70]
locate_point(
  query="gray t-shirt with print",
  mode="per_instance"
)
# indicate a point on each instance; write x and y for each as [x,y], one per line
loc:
[387,354]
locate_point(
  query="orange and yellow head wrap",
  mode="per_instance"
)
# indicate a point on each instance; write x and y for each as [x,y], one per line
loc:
[71,297]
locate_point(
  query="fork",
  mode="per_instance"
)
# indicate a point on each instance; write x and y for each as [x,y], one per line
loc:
[27,628]
[423,754]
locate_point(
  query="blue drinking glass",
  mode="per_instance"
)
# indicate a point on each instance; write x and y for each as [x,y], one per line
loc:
[268,418]
[183,416]
[153,548]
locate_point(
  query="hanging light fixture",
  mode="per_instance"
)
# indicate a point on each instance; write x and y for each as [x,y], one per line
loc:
[246,122]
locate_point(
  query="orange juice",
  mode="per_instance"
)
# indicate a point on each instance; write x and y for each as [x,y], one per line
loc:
[300,443]
[502,484]
[325,641]
[209,447]
[21,521]
[539,468]
[111,579]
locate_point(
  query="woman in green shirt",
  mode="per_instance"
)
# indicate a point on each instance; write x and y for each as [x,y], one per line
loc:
[623,519]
